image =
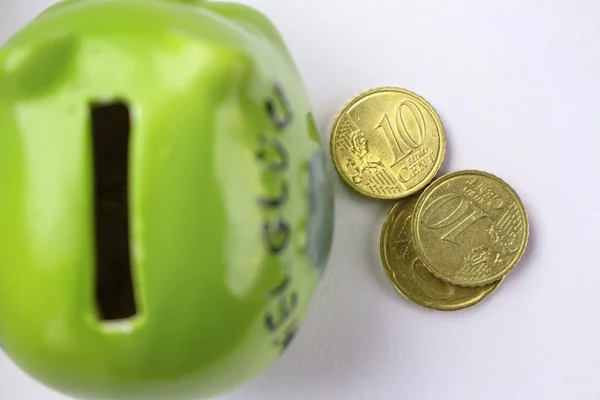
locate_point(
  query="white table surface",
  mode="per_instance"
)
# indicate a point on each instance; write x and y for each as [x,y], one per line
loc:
[517,85]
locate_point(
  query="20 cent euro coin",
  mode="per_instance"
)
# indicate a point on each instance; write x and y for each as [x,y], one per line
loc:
[470,228]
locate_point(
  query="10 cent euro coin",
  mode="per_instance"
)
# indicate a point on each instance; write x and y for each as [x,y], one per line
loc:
[388,143]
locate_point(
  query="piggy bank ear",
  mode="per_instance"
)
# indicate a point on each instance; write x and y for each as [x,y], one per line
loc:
[250,18]
[63,3]
[35,69]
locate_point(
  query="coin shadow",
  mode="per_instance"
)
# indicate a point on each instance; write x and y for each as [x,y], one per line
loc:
[447,165]
[382,209]
[376,263]
[523,266]
[357,198]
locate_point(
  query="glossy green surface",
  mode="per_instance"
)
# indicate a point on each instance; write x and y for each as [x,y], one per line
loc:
[224,263]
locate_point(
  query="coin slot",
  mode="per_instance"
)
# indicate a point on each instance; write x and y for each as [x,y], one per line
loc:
[115,295]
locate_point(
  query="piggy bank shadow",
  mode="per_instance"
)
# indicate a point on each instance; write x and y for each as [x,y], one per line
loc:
[335,345]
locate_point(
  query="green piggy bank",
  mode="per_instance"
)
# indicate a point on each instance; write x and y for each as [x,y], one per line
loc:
[166,209]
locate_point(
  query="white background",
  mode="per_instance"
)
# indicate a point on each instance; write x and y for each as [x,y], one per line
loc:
[517,85]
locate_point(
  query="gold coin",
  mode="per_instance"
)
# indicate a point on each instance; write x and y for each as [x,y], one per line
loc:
[407,272]
[470,228]
[388,143]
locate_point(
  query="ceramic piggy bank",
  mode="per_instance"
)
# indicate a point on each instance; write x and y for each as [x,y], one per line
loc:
[165,210]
